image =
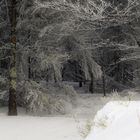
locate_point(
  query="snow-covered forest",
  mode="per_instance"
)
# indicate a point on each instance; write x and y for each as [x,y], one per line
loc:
[61,61]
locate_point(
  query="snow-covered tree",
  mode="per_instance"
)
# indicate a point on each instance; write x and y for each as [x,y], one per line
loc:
[36,29]
[93,16]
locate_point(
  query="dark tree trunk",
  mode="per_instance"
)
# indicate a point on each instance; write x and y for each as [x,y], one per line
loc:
[80,84]
[12,110]
[104,83]
[80,78]
[92,86]
[29,68]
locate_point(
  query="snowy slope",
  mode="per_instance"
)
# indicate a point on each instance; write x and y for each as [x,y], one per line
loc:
[118,120]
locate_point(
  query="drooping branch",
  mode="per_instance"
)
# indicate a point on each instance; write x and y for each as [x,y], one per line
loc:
[93,11]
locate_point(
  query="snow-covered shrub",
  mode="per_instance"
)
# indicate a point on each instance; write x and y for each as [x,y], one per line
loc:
[4,98]
[115,95]
[3,83]
[70,92]
[62,98]
[101,122]
[33,97]
[3,91]
[51,99]
[122,96]
[58,105]
[85,130]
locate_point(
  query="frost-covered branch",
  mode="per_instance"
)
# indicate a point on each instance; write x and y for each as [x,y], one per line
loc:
[93,11]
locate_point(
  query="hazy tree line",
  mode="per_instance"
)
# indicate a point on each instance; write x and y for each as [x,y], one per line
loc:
[93,42]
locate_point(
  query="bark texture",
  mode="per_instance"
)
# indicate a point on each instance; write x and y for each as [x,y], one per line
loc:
[12,70]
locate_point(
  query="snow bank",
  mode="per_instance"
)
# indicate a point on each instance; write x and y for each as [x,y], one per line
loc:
[118,120]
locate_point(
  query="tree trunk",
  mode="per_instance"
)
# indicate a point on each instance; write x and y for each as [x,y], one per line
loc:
[29,68]
[80,78]
[104,84]
[92,86]
[80,84]
[12,70]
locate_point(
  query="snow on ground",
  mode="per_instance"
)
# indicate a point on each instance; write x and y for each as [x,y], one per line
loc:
[24,127]
[35,128]
[66,127]
[118,120]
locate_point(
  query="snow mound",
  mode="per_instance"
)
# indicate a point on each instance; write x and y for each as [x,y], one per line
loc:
[118,120]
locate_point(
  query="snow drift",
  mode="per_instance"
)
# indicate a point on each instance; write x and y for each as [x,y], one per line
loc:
[118,120]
